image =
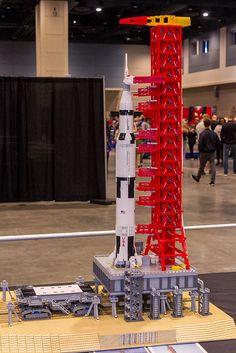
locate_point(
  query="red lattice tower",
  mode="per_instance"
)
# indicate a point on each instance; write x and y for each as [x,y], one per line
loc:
[165,234]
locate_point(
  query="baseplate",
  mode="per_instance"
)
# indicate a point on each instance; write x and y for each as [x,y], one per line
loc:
[64,334]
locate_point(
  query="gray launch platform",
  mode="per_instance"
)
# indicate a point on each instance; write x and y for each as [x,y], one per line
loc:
[112,278]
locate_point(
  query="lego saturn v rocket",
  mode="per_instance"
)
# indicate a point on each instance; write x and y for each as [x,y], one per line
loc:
[125,254]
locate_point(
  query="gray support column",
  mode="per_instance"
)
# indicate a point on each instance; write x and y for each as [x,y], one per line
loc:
[163,304]
[193,296]
[155,304]
[5,289]
[11,310]
[96,301]
[177,302]
[133,295]
[203,299]
[113,301]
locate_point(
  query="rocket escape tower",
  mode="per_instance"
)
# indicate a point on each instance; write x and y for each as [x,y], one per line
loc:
[165,234]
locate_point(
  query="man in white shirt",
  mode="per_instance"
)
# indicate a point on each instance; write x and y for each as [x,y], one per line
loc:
[200,126]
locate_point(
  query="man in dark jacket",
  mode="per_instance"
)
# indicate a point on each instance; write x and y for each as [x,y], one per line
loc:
[207,145]
[228,138]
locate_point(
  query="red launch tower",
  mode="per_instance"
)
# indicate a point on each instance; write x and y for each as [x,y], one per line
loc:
[165,234]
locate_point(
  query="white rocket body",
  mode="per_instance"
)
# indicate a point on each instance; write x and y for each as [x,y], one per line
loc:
[125,179]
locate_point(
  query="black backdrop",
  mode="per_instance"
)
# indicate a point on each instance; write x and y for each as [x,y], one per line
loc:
[51,139]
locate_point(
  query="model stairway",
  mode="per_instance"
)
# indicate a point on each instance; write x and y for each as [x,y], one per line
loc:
[223,329]
[60,307]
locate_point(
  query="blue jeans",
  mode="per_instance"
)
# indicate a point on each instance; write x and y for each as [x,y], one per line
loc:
[226,150]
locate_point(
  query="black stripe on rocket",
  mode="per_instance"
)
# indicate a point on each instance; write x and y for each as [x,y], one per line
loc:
[131,181]
[130,187]
[122,136]
[126,112]
[131,248]
[117,245]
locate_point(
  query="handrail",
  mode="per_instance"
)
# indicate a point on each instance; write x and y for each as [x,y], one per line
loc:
[9,238]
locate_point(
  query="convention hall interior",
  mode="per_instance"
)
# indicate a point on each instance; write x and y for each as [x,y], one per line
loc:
[61,85]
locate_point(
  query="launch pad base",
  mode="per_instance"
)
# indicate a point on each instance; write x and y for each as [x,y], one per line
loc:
[80,334]
[112,278]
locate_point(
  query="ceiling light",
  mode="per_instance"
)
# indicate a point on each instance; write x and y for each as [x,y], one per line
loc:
[98,9]
[74,22]
[134,4]
[205,14]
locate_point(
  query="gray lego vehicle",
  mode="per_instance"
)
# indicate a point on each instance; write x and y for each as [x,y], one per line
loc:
[40,302]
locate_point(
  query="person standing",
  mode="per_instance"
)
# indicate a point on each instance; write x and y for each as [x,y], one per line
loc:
[207,145]
[214,122]
[200,126]
[192,139]
[219,152]
[185,134]
[228,138]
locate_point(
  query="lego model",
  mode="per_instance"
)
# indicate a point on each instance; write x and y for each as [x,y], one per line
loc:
[125,179]
[10,311]
[162,272]
[39,302]
[165,233]
[141,286]
[125,254]
[153,280]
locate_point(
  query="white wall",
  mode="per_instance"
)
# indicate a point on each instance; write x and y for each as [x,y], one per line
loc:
[17,58]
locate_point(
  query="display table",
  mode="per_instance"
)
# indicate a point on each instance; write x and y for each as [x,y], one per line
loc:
[81,334]
[223,295]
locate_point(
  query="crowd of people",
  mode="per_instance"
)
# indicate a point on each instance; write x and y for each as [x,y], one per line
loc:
[216,141]
[213,138]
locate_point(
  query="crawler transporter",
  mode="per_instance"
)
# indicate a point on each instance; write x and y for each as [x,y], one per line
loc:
[40,302]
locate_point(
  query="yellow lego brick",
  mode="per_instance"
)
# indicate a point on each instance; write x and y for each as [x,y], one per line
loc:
[168,20]
[176,268]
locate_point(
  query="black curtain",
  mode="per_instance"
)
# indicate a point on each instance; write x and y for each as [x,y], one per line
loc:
[51,139]
[79,140]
